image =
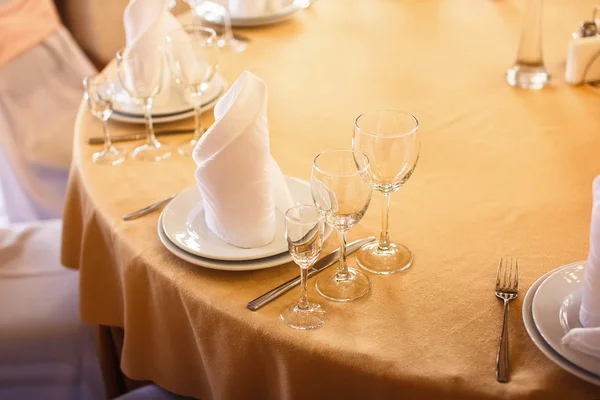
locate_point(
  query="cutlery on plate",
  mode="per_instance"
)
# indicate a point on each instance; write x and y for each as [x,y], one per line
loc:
[507,285]
[138,136]
[319,266]
[147,210]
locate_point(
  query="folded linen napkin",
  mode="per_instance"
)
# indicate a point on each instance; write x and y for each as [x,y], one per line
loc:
[587,339]
[253,8]
[146,24]
[240,182]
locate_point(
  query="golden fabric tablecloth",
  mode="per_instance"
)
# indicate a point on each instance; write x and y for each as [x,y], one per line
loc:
[502,171]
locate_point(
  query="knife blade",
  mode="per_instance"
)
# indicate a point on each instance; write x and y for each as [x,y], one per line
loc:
[138,136]
[319,266]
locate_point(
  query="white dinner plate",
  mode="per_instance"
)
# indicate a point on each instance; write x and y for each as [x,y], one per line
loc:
[184,225]
[172,107]
[539,341]
[262,263]
[555,311]
[211,13]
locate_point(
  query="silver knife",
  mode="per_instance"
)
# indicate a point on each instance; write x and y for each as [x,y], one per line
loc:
[319,266]
[138,136]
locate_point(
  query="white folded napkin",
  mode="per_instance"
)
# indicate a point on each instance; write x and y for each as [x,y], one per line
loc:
[581,63]
[240,182]
[587,339]
[146,24]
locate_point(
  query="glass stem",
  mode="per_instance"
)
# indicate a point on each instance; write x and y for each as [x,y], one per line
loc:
[107,141]
[228,34]
[384,239]
[303,302]
[342,272]
[530,46]
[150,138]
[198,120]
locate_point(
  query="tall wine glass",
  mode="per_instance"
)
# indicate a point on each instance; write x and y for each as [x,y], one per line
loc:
[192,54]
[389,138]
[342,194]
[141,76]
[99,95]
[226,40]
[304,231]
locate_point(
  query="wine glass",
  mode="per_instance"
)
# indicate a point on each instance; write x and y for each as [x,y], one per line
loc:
[342,194]
[226,40]
[99,95]
[389,138]
[192,54]
[304,231]
[141,76]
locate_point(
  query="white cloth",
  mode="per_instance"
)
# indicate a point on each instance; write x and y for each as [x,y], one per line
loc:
[240,182]
[40,92]
[587,339]
[146,24]
[46,352]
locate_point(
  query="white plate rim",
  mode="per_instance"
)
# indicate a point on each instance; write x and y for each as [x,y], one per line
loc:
[233,256]
[538,340]
[253,265]
[582,360]
[281,15]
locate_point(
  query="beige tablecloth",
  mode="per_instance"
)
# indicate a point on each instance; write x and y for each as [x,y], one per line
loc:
[502,171]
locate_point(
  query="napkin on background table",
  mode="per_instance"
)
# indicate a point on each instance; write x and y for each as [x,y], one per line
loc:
[146,24]
[587,339]
[240,182]
[254,8]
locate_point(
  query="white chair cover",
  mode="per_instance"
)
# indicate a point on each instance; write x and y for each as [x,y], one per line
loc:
[46,352]
[40,91]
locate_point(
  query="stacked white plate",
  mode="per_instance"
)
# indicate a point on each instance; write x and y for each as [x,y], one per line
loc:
[263,13]
[169,105]
[550,310]
[183,231]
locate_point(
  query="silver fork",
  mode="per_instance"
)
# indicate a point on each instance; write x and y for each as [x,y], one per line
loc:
[507,285]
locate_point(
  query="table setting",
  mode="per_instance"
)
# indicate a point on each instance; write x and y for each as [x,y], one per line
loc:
[463,284]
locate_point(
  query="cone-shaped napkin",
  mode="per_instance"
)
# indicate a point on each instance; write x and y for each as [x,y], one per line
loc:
[240,183]
[587,339]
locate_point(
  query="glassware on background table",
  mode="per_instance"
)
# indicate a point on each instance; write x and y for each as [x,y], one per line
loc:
[192,54]
[529,71]
[141,76]
[341,192]
[99,95]
[304,231]
[226,40]
[389,139]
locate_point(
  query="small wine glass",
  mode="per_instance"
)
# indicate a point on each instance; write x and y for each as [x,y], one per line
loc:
[389,138]
[226,41]
[340,191]
[141,76]
[304,231]
[192,54]
[99,95]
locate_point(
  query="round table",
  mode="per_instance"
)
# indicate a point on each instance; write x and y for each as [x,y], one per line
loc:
[502,171]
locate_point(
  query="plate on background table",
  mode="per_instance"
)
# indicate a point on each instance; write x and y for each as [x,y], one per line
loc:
[171,106]
[262,263]
[211,13]
[555,310]
[184,225]
[538,339]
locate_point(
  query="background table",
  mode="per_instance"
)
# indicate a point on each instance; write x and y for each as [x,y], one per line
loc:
[502,171]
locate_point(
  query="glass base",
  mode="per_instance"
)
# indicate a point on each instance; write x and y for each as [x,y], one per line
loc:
[112,156]
[332,287]
[526,76]
[312,317]
[233,45]
[187,148]
[151,152]
[388,261]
